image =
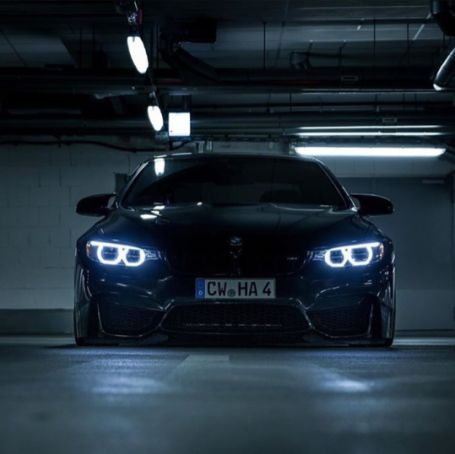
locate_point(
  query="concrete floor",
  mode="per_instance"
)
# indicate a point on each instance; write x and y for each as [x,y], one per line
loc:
[55,398]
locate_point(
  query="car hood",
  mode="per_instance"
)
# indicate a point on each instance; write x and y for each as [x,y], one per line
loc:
[313,226]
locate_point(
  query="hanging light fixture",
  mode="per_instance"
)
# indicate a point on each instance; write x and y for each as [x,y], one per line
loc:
[154,113]
[155,117]
[138,53]
[133,11]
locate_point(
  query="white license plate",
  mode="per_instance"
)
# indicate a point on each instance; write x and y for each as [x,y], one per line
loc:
[241,289]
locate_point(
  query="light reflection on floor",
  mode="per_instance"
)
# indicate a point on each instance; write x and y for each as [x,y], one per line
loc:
[58,398]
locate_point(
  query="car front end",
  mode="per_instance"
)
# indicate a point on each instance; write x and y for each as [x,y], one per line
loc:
[199,286]
[252,271]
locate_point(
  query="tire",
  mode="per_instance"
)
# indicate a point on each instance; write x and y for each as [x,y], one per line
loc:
[388,342]
[79,341]
[377,331]
[92,339]
[85,341]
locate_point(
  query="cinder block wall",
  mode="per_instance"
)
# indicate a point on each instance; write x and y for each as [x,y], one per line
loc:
[40,187]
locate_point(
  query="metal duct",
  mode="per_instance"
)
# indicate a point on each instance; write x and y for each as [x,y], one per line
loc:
[190,68]
[443,13]
[445,73]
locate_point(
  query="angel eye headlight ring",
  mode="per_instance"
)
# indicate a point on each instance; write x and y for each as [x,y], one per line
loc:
[355,255]
[114,254]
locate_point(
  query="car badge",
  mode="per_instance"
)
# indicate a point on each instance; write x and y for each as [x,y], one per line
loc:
[235,242]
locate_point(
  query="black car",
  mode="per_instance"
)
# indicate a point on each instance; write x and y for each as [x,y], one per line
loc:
[260,246]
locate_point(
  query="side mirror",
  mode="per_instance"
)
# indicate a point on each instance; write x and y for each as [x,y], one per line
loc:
[373,205]
[95,205]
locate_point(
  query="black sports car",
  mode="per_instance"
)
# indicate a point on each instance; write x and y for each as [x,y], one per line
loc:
[263,246]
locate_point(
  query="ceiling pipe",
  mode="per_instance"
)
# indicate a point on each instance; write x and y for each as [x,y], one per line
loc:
[194,71]
[232,123]
[124,82]
[444,15]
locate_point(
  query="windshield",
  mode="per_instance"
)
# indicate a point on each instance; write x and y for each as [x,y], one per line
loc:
[232,181]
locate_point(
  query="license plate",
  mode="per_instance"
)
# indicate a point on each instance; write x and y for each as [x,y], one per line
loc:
[240,289]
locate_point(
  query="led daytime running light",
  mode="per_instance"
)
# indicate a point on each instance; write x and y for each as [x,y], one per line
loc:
[122,254]
[348,257]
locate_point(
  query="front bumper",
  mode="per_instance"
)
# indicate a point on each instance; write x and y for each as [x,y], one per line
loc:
[236,318]
[126,304]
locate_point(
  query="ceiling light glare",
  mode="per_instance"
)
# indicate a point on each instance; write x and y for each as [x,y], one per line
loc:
[370,152]
[148,217]
[155,117]
[159,166]
[138,53]
[179,124]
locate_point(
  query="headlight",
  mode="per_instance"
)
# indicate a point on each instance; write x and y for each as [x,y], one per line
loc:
[114,254]
[355,255]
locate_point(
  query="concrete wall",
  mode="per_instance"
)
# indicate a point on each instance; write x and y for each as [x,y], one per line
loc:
[422,230]
[38,228]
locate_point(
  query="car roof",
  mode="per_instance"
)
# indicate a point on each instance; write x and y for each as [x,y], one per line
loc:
[229,154]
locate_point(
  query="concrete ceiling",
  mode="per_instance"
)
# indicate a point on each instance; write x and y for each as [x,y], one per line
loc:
[349,29]
[65,68]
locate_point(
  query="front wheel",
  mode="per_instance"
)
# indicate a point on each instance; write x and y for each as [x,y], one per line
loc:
[79,340]
[388,342]
[383,331]
[85,328]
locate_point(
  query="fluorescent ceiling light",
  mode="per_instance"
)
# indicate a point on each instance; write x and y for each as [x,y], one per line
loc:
[367,127]
[179,124]
[138,53]
[370,134]
[370,152]
[155,117]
